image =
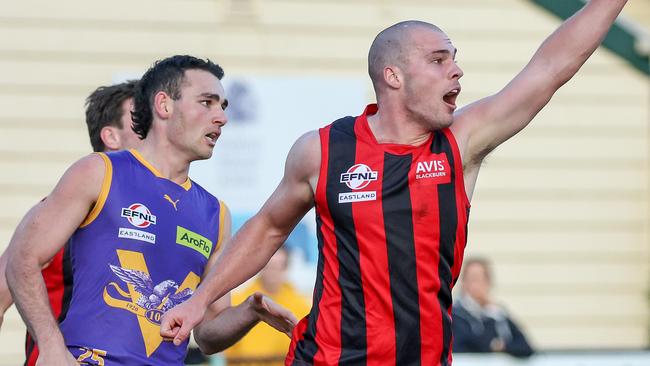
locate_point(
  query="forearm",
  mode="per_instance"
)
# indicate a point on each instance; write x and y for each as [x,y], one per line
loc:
[566,50]
[243,256]
[30,294]
[5,296]
[228,327]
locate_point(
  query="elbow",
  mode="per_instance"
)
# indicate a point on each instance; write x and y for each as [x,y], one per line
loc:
[206,345]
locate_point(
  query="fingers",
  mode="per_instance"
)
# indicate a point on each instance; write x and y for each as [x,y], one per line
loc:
[292,319]
[168,328]
[183,334]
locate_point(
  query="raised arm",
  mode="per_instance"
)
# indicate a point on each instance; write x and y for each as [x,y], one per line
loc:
[482,126]
[37,239]
[254,244]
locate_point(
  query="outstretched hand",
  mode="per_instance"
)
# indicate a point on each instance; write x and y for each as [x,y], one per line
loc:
[273,313]
[177,323]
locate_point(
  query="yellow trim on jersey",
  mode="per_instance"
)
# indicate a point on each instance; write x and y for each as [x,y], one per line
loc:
[222,215]
[186,185]
[103,194]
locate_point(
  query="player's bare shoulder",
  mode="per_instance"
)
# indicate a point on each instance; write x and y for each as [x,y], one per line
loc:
[84,178]
[303,162]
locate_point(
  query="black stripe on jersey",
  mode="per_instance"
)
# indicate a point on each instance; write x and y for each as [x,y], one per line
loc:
[402,266]
[306,348]
[448,225]
[342,153]
[67,283]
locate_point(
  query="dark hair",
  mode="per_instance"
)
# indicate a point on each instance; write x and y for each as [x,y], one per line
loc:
[104,108]
[165,75]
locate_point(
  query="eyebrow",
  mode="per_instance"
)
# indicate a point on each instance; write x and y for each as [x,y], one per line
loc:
[214,97]
[445,51]
[210,96]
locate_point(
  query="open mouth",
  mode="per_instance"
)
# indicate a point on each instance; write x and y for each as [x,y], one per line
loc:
[450,98]
[212,137]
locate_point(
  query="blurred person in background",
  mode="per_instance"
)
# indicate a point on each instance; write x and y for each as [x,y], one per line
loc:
[263,345]
[124,279]
[108,118]
[480,324]
[392,190]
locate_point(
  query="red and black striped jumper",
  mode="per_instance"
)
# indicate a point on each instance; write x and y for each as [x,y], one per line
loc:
[392,228]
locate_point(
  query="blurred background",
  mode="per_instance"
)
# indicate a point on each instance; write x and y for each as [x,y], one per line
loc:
[562,211]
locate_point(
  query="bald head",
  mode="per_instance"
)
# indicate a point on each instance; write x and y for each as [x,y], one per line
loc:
[391,46]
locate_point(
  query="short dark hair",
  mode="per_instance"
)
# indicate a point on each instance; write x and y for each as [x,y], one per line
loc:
[165,75]
[104,108]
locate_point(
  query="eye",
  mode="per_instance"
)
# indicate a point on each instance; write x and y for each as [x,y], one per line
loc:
[436,61]
[206,103]
[224,105]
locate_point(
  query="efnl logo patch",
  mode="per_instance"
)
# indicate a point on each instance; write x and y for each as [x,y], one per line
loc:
[194,241]
[358,177]
[139,215]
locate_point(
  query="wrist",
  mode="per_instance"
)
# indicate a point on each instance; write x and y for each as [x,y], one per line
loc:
[52,344]
[200,298]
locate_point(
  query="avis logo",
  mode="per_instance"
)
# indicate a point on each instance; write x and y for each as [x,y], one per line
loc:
[139,215]
[358,176]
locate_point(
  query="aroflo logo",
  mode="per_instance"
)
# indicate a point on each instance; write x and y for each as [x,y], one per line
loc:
[193,240]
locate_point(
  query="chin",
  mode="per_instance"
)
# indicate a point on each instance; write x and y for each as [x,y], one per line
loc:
[441,123]
[203,155]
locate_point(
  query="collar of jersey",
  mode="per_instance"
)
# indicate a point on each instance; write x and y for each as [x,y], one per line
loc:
[362,129]
[186,185]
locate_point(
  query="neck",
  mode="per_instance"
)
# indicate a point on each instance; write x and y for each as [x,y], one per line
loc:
[391,125]
[165,158]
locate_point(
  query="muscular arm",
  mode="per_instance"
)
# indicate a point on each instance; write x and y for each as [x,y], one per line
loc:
[223,325]
[39,237]
[218,332]
[482,126]
[5,295]
[254,244]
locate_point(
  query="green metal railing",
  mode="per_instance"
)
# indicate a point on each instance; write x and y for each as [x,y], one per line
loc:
[621,39]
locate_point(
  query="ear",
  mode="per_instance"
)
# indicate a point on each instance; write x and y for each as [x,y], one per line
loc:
[393,76]
[163,105]
[111,138]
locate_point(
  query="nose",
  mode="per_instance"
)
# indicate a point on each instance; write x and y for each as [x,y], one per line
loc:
[220,117]
[456,71]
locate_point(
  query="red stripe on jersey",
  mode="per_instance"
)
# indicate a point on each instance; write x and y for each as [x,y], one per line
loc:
[328,325]
[373,258]
[426,228]
[296,336]
[462,208]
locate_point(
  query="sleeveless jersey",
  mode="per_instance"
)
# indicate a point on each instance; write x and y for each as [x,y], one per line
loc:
[392,227]
[141,251]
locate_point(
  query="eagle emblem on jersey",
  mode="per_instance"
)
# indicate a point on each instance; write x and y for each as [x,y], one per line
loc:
[163,296]
[148,301]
